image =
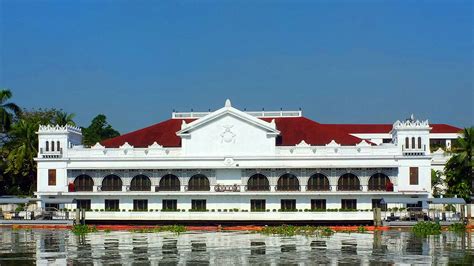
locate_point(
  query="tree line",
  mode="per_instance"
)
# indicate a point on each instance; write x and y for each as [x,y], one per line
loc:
[19,142]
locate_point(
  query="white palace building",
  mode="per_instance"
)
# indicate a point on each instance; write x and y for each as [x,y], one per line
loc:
[233,165]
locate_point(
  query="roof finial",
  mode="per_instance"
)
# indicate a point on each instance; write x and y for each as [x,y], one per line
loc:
[412,117]
[227,103]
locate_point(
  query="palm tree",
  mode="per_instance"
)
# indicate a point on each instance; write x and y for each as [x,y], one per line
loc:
[459,169]
[22,150]
[7,110]
[63,118]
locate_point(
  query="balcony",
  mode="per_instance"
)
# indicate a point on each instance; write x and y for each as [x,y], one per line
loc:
[414,152]
[51,154]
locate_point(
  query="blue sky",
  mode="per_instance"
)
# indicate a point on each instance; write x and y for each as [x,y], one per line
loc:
[341,62]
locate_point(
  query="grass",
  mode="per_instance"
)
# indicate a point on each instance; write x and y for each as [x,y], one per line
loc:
[80,229]
[290,230]
[166,228]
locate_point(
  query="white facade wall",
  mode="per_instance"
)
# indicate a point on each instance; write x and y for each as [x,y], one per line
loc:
[228,146]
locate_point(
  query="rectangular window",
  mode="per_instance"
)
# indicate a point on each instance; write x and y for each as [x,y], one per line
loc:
[318,204]
[257,205]
[198,205]
[413,175]
[288,204]
[387,141]
[140,205]
[349,204]
[376,204]
[112,204]
[83,204]
[52,177]
[169,205]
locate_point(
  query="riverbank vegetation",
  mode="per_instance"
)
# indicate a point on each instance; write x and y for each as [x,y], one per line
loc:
[19,142]
[165,228]
[290,230]
[426,228]
[82,229]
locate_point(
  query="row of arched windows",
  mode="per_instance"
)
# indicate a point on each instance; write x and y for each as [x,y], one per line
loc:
[52,148]
[317,182]
[413,143]
[142,183]
[257,182]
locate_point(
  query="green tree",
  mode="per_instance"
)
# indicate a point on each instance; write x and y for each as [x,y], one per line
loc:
[459,169]
[22,149]
[98,130]
[7,110]
[437,182]
[63,118]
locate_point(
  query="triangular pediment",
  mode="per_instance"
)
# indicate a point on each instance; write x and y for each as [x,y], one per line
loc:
[228,110]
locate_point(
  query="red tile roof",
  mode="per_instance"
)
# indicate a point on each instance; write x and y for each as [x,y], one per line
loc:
[385,128]
[292,131]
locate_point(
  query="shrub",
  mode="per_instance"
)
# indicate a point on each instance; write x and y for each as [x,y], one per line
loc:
[426,228]
[82,229]
[219,210]
[457,228]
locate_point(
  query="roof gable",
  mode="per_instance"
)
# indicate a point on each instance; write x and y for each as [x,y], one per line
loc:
[224,111]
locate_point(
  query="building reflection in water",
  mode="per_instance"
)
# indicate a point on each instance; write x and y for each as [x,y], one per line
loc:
[170,252]
[111,251]
[140,248]
[198,255]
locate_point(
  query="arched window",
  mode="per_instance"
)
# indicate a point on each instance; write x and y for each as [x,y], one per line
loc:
[378,181]
[413,142]
[407,143]
[112,183]
[348,182]
[140,183]
[52,145]
[288,182]
[83,183]
[58,147]
[258,182]
[199,183]
[318,182]
[47,145]
[419,143]
[169,183]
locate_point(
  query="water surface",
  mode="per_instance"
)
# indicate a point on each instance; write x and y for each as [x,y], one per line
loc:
[27,247]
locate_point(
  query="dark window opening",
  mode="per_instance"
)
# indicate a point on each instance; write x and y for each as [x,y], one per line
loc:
[348,182]
[83,183]
[258,182]
[169,182]
[349,204]
[140,205]
[112,205]
[288,205]
[288,182]
[257,205]
[199,183]
[112,183]
[140,183]
[198,205]
[84,204]
[318,182]
[379,182]
[376,203]
[318,204]
[170,205]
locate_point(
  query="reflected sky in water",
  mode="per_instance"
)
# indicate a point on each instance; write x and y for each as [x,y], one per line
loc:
[28,247]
